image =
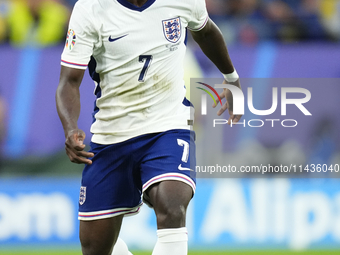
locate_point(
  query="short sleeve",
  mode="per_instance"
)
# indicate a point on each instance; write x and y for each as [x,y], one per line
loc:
[199,17]
[80,40]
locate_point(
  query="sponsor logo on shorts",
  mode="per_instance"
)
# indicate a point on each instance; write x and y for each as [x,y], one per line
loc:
[82,195]
[184,168]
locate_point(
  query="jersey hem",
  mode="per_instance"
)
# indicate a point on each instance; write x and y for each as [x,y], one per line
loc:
[111,139]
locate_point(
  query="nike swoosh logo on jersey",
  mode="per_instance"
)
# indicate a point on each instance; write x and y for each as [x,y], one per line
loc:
[184,168]
[115,39]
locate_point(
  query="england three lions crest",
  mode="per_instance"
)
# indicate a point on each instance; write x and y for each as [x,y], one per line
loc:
[172,29]
[82,195]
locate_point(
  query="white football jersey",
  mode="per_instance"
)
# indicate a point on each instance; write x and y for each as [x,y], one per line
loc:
[138,53]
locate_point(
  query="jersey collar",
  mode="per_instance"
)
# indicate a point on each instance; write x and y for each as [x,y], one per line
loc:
[133,7]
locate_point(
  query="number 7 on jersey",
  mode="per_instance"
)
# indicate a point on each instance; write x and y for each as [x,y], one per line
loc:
[146,59]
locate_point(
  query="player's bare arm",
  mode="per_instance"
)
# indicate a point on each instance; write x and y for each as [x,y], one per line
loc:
[68,107]
[210,40]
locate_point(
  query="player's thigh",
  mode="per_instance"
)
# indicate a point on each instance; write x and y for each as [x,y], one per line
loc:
[99,236]
[170,200]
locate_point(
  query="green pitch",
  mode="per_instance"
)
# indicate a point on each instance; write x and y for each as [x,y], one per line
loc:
[49,252]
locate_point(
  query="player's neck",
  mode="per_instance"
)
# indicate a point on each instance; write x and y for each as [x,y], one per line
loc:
[138,3]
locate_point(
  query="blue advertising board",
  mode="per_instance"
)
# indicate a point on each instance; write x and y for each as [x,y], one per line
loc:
[224,214]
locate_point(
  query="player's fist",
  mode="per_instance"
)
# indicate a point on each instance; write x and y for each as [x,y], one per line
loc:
[74,146]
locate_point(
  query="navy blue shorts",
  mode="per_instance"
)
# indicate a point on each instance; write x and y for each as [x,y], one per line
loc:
[120,173]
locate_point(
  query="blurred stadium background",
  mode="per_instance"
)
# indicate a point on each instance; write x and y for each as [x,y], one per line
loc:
[266,39]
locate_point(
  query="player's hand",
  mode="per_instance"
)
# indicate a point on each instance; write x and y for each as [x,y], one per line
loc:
[75,148]
[228,104]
